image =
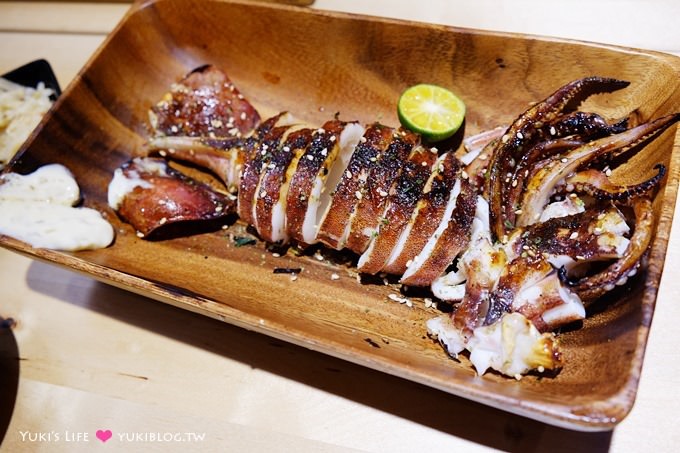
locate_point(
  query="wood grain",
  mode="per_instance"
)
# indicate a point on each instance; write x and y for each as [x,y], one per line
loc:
[315,64]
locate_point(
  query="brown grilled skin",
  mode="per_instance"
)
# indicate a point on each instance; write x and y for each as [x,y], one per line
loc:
[453,240]
[407,191]
[274,177]
[205,104]
[381,180]
[310,164]
[430,214]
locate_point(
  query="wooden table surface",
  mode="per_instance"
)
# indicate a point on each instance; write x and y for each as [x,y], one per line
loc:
[93,357]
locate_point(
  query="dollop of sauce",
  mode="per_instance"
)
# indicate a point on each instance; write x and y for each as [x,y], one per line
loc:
[38,208]
[123,183]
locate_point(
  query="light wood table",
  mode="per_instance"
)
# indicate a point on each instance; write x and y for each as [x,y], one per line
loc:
[92,357]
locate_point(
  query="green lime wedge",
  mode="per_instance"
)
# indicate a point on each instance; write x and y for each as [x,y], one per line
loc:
[431,111]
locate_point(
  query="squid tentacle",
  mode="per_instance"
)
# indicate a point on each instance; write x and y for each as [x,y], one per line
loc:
[597,184]
[592,287]
[585,125]
[541,186]
[523,133]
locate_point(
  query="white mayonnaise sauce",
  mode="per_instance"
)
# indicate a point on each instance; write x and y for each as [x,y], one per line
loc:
[38,209]
[124,182]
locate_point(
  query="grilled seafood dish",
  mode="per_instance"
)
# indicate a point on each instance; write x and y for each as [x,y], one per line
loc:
[519,230]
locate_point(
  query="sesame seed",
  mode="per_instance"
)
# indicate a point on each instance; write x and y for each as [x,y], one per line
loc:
[401,300]
[286,148]
[518,212]
[580,257]
[482,157]
[293,277]
[217,209]
[434,150]
[608,172]
[464,175]
[263,194]
[424,164]
[324,152]
[243,115]
[276,255]
[310,157]
[382,193]
[358,195]
[573,235]
[564,160]
[335,277]
[597,230]
[163,221]
[373,159]
[333,138]
[505,138]
[520,136]
[348,174]
[362,139]
[140,234]
[514,183]
[553,131]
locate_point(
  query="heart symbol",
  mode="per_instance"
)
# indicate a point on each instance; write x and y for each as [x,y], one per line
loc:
[104,435]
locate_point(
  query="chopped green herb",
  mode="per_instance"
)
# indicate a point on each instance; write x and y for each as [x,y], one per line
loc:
[240,241]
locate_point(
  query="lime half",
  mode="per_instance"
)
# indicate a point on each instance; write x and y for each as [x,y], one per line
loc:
[430,110]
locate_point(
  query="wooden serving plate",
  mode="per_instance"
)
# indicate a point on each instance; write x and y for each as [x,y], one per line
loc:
[315,64]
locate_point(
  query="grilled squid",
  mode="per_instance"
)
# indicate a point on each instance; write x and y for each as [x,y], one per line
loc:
[510,229]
